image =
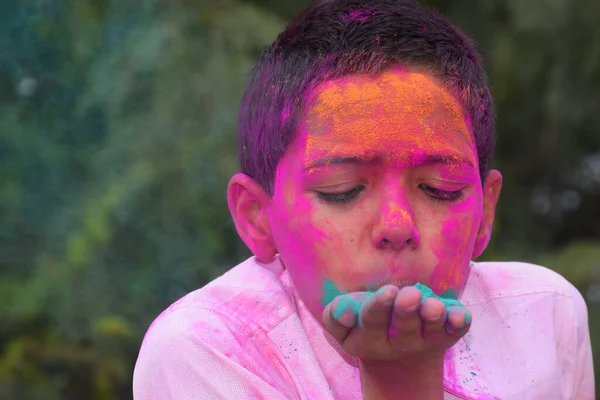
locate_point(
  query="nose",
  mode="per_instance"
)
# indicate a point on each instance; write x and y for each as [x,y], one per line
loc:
[395,228]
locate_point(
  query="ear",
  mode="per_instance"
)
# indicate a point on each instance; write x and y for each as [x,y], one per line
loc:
[248,204]
[491,192]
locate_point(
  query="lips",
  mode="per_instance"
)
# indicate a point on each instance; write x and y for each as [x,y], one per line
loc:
[398,273]
[400,282]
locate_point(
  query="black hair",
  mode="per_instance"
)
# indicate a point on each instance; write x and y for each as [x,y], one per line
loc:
[335,38]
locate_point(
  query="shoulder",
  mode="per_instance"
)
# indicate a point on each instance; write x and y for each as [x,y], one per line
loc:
[524,289]
[532,297]
[220,329]
[527,321]
[497,280]
[247,298]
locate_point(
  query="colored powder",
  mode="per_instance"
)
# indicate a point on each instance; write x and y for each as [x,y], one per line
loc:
[426,293]
[346,303]
[449,294]
[426,111]
[399,215]
[456,232]
[448,302]
[357,15]
[354,304]
[330,292]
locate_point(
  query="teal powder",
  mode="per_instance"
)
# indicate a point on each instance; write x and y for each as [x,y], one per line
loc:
[449,294]
[330,291]
[426,293]
[345,303]
[356,305]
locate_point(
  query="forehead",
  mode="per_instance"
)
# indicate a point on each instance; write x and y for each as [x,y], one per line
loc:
[395,114]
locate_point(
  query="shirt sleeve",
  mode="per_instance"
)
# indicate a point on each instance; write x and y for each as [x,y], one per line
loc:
[193,354]
[583,376]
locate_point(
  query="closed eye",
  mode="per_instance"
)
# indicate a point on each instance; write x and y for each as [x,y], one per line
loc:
[442,195]
[341,198]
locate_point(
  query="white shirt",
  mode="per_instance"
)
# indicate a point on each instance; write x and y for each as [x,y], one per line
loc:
[247,335]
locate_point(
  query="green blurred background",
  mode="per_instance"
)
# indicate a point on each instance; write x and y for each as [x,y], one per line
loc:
[117,138]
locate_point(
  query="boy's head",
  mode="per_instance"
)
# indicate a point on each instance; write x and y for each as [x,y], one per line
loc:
[365,138]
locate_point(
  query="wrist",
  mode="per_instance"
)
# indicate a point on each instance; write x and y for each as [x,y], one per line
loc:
[422,379]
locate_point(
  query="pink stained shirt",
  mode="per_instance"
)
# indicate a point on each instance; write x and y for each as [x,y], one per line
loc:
[247,335]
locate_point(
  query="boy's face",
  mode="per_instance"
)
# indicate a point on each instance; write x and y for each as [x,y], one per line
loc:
[381,185]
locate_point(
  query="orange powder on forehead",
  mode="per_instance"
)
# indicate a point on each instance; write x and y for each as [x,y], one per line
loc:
[393,111]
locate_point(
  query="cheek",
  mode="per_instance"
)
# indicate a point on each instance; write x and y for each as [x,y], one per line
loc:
[295,234]
[453,249]
[311,246]
[301,239]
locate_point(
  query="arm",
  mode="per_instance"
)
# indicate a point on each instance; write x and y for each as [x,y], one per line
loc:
[191,354]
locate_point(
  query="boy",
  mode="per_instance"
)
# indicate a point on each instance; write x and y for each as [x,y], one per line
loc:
[365,138]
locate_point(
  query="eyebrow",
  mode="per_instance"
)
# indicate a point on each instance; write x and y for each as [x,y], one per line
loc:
[429,159]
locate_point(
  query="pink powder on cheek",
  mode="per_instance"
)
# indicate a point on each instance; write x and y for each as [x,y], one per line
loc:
[303,237]
[298,215]
[457,239]
[453,252]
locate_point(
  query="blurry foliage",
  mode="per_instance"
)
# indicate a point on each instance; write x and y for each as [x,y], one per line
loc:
[117,138]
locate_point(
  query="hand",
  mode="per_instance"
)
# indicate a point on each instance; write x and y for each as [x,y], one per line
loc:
[395,325]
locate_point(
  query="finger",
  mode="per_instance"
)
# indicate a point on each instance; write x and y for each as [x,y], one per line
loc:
[376,313]
[458,322]
[433,314]
[406,321]
[340,316]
